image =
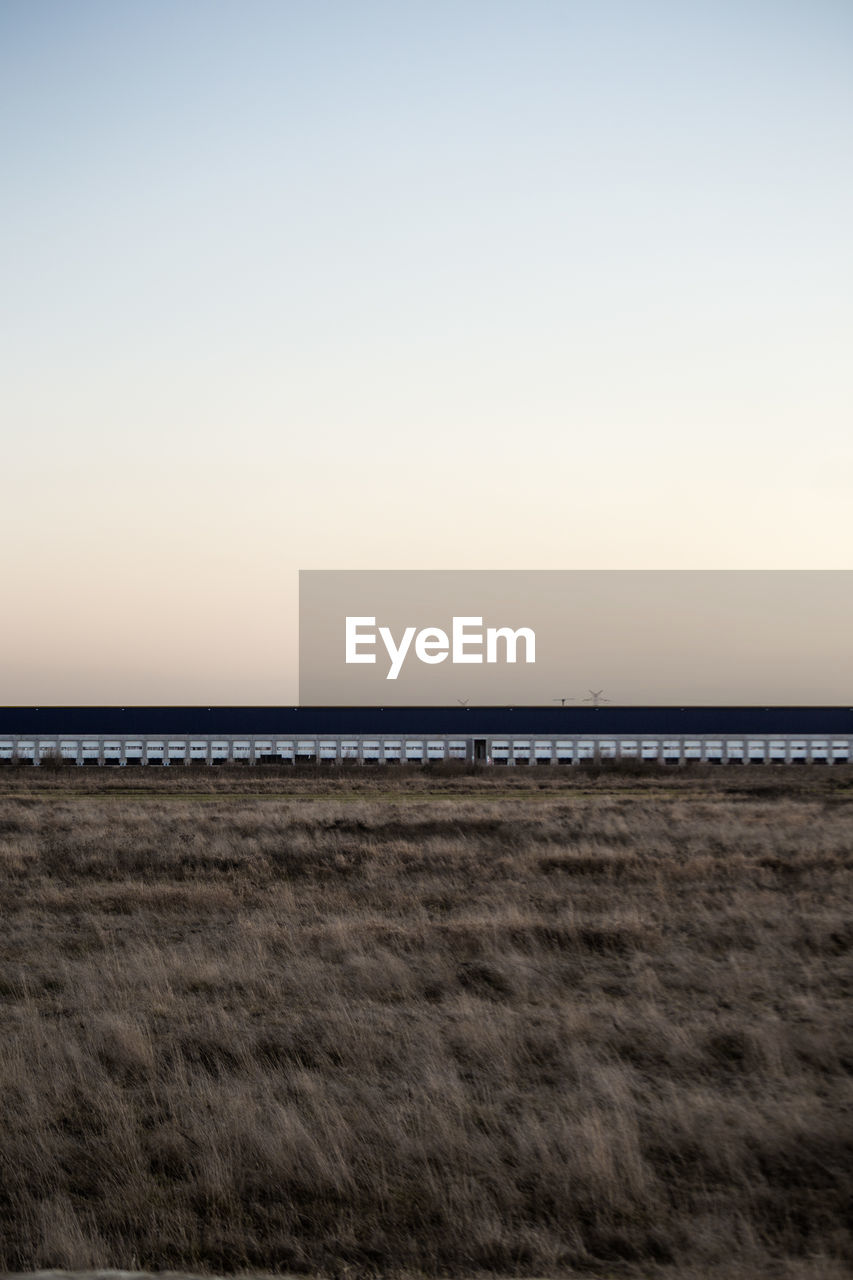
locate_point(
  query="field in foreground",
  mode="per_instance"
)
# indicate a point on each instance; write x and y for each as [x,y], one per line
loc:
[419,1027]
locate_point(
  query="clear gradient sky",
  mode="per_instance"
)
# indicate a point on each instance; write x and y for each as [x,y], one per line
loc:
[405,285]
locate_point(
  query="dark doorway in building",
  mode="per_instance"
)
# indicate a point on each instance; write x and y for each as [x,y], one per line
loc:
[480,753]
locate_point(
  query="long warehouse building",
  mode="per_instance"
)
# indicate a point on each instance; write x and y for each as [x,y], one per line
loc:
[529,735]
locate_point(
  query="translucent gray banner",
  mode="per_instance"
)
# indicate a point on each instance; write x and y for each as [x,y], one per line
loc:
[440,637]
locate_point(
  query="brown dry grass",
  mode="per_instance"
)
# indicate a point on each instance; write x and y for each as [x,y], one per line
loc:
[437,1023]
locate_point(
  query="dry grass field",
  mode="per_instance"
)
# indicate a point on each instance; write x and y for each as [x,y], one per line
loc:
[427,1024]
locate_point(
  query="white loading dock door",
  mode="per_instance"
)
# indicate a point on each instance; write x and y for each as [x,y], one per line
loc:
[198,749]
[457,749]
[68,749]
[284,750]
[219,750]
[328,750]
[6,749]
[840,751]
[649,749]
[133,750]
[435,750]
[414,750]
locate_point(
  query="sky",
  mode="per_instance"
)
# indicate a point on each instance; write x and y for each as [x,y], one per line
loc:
[326,285]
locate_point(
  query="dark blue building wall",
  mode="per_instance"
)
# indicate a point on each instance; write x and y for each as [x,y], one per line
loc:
[422,721]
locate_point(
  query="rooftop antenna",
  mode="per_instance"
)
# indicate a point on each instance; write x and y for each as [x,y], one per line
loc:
[596,697]
[463,702]
[563,701]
